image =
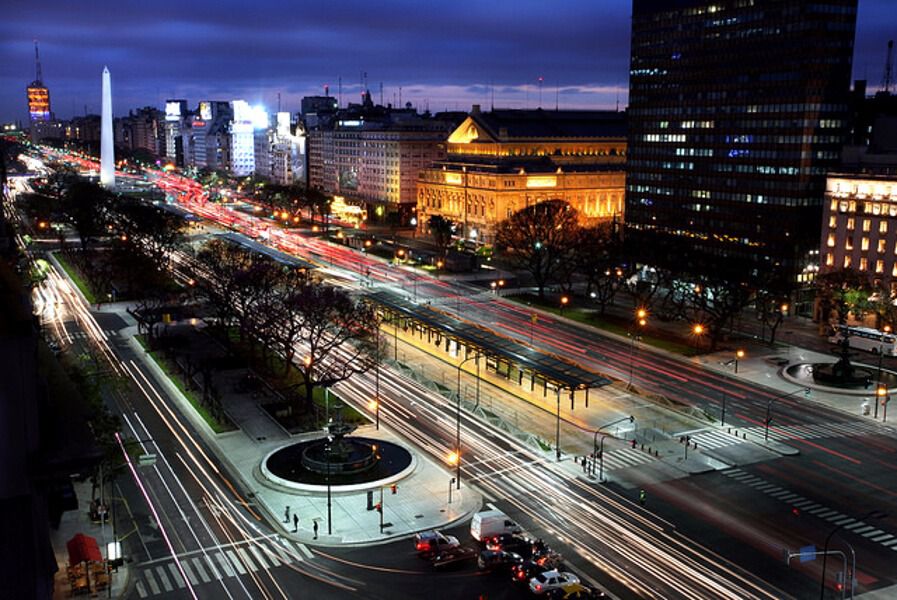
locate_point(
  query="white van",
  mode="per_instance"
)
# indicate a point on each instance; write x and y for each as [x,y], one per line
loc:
[488,523]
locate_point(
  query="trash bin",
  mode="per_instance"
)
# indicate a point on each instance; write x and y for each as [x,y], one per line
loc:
[865,408]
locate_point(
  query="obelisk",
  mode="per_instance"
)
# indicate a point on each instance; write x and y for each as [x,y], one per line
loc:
[107,147]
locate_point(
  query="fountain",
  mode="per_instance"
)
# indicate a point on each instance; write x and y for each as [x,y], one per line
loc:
[337,459]
[842,374]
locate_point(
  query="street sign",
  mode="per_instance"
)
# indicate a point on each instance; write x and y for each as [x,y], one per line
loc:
[146,460]
[807,553]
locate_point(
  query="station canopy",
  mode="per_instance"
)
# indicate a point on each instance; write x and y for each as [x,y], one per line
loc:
[563,373]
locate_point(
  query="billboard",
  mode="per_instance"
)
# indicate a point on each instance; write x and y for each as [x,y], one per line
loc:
[205,111]
[172,111]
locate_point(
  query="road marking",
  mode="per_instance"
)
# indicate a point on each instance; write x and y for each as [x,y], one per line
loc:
[246,559]
[166,583]
[882,538]
[304,550]
[863,529]
[225,564]
[178,580]
[258,557]
[211,564]
[190,574]
[151,580]
[141,591]
[874,531]
[200,570]
[236,562]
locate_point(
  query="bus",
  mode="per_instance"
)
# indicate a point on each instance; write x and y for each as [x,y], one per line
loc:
[866,338]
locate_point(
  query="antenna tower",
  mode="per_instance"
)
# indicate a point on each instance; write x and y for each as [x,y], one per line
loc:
[39,75]
[885,78]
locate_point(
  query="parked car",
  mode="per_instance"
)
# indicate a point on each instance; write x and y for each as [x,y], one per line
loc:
[454,556]
[430,543]
[551,580]
[498,560]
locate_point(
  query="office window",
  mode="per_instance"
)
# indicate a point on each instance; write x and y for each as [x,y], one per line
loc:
[883,227]
[881,246]
[867,224]
[864,263]
[879,266]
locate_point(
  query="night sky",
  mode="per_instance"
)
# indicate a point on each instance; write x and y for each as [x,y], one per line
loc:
[449,54]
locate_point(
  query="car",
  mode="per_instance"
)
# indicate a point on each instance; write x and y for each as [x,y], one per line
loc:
[523,571]
[429,543]
[455,555]
[510,542]
[498,560]
[551,580]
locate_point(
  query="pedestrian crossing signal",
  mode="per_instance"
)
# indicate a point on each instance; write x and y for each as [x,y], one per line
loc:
[378,507]
[394,488]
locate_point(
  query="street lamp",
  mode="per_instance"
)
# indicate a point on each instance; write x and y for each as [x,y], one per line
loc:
[328,448]
[564,301]
[874,514]
[768,418]
[739,354]
[458,417]
[641,319]
[885,330]
[598,451]
[697,330]
[882,398]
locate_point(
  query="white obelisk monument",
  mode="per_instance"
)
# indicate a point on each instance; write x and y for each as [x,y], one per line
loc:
[107,147]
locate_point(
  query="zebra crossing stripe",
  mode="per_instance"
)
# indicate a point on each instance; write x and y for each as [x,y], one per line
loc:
[176,575]
[843,521]
[258,557]
[200,570]
[304,550]
[151,580]
[141,591]
[225,564]
[166,583]
[211,564]
[890,543]
[236,562]
[190,574]
[882,538]
[247,560]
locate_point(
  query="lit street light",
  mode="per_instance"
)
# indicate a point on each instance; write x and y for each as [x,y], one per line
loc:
[768,418]
[598,451]
[641,319]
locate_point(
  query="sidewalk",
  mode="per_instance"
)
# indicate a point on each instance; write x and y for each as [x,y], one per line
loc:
[78,521]
[421,501]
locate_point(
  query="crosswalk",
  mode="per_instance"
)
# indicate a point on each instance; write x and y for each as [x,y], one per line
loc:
[82,335]
[214,564]
[622,458]
[875,535]
[713,439]
[817,430]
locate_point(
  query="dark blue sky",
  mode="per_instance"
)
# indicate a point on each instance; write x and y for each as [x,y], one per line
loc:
[447,53]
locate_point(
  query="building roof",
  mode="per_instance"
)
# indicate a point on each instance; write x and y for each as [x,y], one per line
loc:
[508,125]
[550,367]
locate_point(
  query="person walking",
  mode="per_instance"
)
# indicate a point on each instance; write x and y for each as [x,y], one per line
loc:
[286,515]
[642,496]
[295,523]
[315,528]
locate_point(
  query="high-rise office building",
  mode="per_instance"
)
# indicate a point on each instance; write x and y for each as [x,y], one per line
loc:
[737,111]
[38,94]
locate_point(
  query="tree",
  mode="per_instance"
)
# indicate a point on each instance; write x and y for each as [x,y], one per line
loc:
[540,239]
[843,291]
[597,256]
[441,230]
[714,302]
[772,298]
[317,202]
[86,206]
[153,231]
[339,334]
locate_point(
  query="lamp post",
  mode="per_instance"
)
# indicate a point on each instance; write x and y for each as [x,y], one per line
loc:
[641,319]
[697,330]
[598,451]
[377,382]
[739,354]
[328,448]
[875,514]
[881,343]
[768,418]
[458,416]
[565,300]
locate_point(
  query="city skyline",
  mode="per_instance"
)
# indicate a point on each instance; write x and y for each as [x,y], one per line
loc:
[448,59]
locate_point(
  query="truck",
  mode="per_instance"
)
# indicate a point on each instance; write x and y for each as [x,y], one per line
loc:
[490,523]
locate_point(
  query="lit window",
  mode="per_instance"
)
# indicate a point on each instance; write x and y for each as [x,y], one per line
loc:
[864,264]
[830,260]
[879,266]
[832,222]
[881,246]
[848,244]
[851,224]
[831,240]
[847,262]
[867,224]
[883,227]
[864,245]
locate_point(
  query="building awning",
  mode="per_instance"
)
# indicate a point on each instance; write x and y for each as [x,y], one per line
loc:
[83,548]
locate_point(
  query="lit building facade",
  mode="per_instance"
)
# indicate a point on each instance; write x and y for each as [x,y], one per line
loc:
[175,115]
[737,112]
[500,162]
[859,229]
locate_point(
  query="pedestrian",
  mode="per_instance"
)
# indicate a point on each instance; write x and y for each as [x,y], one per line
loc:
[642,495]
[295,523]
[286,515]
[315,528]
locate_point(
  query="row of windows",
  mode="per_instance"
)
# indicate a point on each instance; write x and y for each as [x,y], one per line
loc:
[716,195]
[810,107]
[875,208]
[881,245]
[743,139]
[747,124]
[862,265]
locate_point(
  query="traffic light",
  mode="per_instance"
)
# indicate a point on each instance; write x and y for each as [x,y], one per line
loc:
[394,488]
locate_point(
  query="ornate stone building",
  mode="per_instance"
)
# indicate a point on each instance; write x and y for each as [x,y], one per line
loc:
[501,161]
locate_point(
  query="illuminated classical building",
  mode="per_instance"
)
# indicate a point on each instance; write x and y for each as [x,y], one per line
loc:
[501,161]
[859,228]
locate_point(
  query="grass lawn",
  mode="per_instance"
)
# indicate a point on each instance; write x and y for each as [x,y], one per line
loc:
[591,317]
[191,395]
[75,275]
